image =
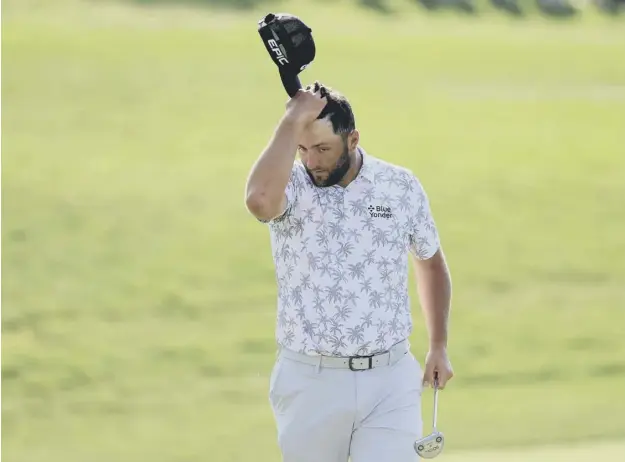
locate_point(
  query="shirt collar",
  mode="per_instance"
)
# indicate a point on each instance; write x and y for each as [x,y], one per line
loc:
[367,169]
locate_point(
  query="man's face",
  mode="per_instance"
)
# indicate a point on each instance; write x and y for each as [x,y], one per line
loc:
[324,153]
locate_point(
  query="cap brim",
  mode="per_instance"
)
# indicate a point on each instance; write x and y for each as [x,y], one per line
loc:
[291,82]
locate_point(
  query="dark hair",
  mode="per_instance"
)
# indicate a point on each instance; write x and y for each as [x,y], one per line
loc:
[339,111]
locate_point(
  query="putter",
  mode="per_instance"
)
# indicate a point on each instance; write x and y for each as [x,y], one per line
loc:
[432,445]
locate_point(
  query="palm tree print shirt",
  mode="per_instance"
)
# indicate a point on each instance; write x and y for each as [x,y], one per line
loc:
[341,259]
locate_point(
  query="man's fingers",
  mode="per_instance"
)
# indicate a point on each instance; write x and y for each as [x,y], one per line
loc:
[428,374]
[443,378]
[437,369]
[440,375]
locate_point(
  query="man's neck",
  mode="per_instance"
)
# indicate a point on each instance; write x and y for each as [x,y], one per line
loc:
[355,165]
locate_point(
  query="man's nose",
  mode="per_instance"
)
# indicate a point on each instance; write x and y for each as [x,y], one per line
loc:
[312,163]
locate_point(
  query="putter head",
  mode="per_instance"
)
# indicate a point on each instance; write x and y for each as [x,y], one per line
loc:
[430,446]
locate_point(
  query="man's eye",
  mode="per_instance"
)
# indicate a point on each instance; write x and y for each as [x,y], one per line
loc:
[324,149]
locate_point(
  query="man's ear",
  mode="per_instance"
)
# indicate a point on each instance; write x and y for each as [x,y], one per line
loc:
[354,139]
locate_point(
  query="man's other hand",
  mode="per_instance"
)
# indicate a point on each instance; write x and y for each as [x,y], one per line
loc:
[436,362]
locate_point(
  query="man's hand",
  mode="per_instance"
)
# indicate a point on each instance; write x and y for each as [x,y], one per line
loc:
[437,366]
[306,105]
[265,189]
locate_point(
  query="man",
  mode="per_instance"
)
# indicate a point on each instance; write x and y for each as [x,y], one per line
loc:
[342,223]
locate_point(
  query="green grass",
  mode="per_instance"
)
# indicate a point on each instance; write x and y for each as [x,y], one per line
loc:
[138,294]
[571,453]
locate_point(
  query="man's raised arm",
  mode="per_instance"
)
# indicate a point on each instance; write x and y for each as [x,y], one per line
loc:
[265,196]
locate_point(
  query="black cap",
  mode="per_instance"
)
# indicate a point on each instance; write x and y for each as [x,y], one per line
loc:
[290,44]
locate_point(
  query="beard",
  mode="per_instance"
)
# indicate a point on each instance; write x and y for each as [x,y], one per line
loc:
[337,173]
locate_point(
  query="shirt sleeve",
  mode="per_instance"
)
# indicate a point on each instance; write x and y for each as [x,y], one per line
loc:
[291,191]
[424,238]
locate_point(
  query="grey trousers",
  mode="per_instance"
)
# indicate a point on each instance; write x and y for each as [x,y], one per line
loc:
[336,415]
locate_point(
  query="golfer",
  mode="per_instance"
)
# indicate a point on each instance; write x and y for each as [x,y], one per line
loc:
[342,225]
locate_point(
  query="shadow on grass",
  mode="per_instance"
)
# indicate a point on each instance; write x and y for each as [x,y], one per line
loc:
[560,9]
[515,8]
[223,4]
[463,6]
[379,6]
[549,8]
[508,6]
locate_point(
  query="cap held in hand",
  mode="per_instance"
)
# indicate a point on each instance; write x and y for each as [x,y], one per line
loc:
[291,46]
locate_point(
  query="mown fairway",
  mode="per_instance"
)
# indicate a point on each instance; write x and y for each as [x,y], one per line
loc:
[138,294]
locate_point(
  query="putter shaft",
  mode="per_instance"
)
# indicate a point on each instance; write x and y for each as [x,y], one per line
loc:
[435,413]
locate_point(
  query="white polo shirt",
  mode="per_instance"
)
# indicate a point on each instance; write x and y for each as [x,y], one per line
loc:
[341,259]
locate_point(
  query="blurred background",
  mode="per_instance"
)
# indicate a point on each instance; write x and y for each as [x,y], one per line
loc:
[138,294]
